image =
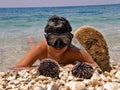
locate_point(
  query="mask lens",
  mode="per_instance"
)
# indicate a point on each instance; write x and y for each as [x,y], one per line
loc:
[65,38]
[51,39]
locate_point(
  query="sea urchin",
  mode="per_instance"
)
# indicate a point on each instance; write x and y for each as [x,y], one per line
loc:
[48,67]
[82,70]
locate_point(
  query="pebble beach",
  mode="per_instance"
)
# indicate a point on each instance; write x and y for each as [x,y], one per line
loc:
[30,80]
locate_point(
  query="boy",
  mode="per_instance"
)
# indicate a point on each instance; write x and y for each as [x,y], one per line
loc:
[56,45]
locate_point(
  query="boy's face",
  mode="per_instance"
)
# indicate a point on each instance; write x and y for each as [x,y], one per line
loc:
[58,40]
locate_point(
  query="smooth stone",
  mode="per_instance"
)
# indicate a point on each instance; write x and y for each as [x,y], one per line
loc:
[52,86]
[111,86]
[117,75]
[95,76]
[99,88]
[64,88]
[90,88]
[87,82]
[38,88]
[76,85]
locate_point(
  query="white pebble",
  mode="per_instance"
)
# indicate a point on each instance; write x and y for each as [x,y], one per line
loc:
[117,75]
[76,85]
[111,86]
[52,86]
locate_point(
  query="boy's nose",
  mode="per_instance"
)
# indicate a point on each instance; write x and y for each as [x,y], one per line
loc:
[58,43]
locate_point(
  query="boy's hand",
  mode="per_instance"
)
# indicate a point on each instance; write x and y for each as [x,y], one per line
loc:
[22,68]
[68,66]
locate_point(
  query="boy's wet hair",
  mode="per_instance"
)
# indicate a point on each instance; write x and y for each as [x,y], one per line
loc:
[58,24]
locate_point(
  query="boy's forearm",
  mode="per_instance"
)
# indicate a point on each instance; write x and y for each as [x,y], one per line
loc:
[22,68]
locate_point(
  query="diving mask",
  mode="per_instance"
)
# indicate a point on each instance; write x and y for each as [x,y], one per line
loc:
[58,40]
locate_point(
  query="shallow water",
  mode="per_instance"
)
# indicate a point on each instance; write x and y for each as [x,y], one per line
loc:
[16,24]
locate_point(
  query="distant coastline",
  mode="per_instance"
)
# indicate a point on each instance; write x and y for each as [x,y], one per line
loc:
[63,6]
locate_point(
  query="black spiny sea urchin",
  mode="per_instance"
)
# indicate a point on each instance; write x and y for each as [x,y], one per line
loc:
[82,70]
[49,67]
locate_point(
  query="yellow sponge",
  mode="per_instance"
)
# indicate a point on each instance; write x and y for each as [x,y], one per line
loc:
[95,44]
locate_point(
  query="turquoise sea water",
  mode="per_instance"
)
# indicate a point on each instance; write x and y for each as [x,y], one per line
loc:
[16,24]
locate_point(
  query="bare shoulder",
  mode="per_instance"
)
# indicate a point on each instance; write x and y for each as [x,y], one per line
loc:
[74,51]
[41,45]
[77,52]
[73,48]
[39,49]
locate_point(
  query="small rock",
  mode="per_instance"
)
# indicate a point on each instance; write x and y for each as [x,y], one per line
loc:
[64,88]
[87,82]
[117,75]
[38,88]
[96,83]
[76,85]
[2,74]
[111,86]
[99,88]
[90,88]
[52,86]
[95,76]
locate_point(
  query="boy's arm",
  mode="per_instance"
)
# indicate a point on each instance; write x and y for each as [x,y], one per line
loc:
[87,58]
[29,58]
